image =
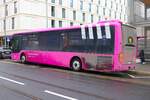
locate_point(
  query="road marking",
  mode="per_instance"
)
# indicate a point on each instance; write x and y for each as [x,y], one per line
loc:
[13,81]
[60,95]
[143,77]
[131,76]
[138,77]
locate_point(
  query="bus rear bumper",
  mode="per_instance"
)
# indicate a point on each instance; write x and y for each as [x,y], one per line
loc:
[125,67]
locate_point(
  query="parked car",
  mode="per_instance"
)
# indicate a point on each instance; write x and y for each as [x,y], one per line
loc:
[5,52]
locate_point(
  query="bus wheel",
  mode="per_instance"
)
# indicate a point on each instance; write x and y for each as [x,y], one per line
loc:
[23,58]
[76,64]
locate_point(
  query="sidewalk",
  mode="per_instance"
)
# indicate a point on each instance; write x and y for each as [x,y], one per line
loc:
[142,68]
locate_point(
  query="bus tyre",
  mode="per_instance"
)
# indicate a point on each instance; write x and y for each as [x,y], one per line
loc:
[23,58]
[76,64]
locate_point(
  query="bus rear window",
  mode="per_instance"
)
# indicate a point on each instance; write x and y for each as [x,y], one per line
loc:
[129,36]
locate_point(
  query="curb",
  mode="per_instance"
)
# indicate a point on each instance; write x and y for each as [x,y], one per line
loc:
[139,72]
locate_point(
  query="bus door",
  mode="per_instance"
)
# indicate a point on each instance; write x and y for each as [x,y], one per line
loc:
[31,44]
[16,47]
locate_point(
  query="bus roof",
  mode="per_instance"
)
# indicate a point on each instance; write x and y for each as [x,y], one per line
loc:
[106,21]
[70,27]
[129,25]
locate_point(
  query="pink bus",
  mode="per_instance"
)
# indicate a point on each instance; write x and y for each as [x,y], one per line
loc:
[103,46]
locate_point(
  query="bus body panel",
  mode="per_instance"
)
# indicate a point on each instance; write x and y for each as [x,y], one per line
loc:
[62,59]
[128,56]
[129,42]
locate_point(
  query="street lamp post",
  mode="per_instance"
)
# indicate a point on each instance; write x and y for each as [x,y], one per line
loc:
[5,40]
[46,9]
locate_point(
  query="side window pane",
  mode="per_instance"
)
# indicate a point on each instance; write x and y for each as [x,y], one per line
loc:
[106,45]
[49,40]
[76,43]
[90,42]
[33,42]
[15,44]
[25,45]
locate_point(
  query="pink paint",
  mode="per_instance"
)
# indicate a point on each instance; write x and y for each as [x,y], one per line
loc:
[63,59]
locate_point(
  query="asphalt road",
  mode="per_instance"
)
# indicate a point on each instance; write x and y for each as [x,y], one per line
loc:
[34,82]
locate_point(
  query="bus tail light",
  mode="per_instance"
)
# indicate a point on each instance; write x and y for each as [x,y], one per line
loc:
[121,57]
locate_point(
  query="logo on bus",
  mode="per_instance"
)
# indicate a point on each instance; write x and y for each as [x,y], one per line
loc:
[130,40]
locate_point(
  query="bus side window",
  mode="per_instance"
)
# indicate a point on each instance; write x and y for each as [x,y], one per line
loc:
[65,42]
[105,44]
[15,44]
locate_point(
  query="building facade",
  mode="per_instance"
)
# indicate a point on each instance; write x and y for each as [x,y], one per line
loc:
[142,18]
[142,23]
[24,15]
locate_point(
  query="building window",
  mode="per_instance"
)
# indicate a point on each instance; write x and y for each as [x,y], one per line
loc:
[4,1]
[116,15]
[53,11]
[63,13]
[71,23]
[109,13]
[83,17]
[104,12]
[120,16]
[90,7]
[60,2]
[97,9]
[53,1]
[91,18]
[99,18]
[116,6]
[4,24]
[53,23]
[74,15]
[99,2]
[120,1]
[71,3]
[60,23]
[121,9]
[106,3]
[124,2]
[15,7]
[13,22]
[81,5]
[111,5]
[6,10]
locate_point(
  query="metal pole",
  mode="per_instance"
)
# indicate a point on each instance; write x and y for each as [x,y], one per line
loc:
[145,12]
[46,9]
[5,41]
[145,29]
[145,37]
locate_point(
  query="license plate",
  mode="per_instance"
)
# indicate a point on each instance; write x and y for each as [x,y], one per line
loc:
[7,52]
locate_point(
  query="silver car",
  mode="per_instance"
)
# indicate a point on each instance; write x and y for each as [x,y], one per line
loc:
[5,53]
